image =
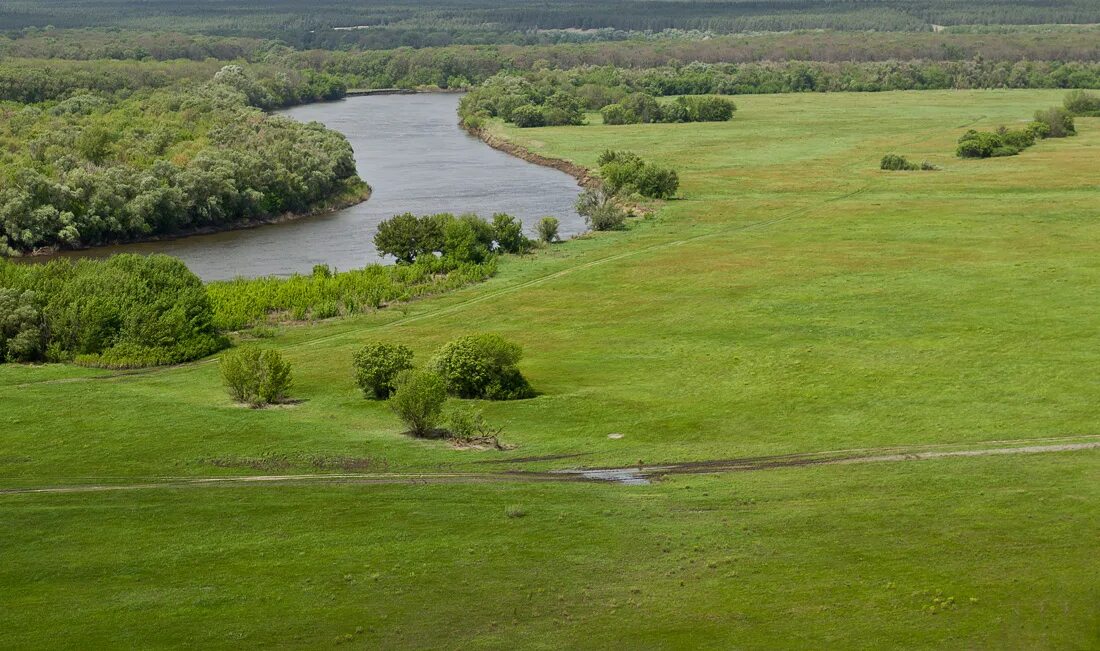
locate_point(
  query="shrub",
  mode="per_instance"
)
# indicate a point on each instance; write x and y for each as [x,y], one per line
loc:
[515,511]
[548,229]
[562,109]
[894,162]
[255,376]
[467,240]
[656,182]
[1083,103]
[707,109]
[482,366]
[22,327]
[528,115]
[618,114]
[407,237]
[377,366]
[508,233]
[418,401]
[599,210]
[123,312]
[1059,120]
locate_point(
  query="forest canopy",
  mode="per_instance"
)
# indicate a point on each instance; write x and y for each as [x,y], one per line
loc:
[91,168]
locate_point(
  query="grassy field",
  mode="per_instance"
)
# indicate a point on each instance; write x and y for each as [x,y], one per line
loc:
[795,299]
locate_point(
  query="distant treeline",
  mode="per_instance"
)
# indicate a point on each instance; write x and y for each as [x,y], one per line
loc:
[393,23]
[1015,44]
[92,169]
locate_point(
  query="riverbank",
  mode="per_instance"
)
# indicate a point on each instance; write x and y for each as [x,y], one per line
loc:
[356,192]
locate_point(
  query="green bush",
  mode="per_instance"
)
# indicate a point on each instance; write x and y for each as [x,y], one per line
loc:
[419,400]
[548,229]
[618,114]
[377,366]
[1083,103]
[508,234]
[1059,121]
[600,211]
[626,172]
[123,312]
[482,366]
[657,182]
[707,109]
[528,116]
[894,162]
[22,326]
[255,376]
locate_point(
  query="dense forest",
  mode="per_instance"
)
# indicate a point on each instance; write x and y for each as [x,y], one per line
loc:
[340,23]
[94,167]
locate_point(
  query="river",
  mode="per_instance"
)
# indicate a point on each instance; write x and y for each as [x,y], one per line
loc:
[411,151]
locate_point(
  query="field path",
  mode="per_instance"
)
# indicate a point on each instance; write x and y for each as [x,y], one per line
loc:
[627,475]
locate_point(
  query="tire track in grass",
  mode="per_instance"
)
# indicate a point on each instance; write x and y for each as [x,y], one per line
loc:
[622,475]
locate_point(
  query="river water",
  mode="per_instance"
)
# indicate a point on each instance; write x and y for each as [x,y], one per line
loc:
[416,159]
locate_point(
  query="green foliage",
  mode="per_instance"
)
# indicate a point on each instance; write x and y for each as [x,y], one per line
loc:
[463,240]
[1083,103]
[1055,122]
[255,376]
[618,114]
[482,366]
[508,234]
[1058,120]
[126,311]
[600,211]
[377,366]
[419,400]
[245,301]
[22,327]
[626,172]
[92,170]
[548,229]
[894,162]
[529,115]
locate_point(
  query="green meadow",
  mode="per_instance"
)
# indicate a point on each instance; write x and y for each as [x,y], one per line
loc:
[793,299]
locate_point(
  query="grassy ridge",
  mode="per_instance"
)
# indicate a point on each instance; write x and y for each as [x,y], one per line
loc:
[796,298]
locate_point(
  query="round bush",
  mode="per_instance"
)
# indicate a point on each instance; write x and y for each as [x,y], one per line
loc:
[255,376]
[418,401]
[482,366]
[377,366]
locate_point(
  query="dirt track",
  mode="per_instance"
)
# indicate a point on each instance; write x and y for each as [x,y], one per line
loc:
[627,476]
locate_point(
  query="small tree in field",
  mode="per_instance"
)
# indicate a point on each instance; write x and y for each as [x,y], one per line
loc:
[548,229]
[255,376]
[377,366]
[418,401]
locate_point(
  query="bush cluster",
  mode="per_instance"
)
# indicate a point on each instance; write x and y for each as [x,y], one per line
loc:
[894,162]
[626,172]
[1055,122]
[600,210]
[255,376]
[126,311]
[467,239]
[475,366]
[482,366]
[1083,103]
[640,108]
[521,102]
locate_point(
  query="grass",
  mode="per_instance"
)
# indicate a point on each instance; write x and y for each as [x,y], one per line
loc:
[795,299]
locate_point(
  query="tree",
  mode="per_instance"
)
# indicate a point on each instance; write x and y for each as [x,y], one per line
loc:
[419,400]
[407,237]
[22,328]
[377,366]
[255,376]
[482,366]
[508,233]
[548,229]
[618,114]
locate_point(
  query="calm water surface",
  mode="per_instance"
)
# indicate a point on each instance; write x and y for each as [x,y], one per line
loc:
[416,159]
